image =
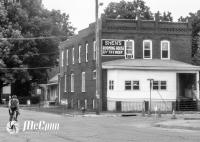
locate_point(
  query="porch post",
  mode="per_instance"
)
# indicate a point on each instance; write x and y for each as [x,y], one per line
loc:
[197,84]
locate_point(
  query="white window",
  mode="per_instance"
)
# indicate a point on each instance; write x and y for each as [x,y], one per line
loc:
[62,58]
[159,85]
[163,85]
[79,54]
[85,104]
[93,104]
[94,76]
[136,85]
[65,87]
[165,49]
[94,50]
[111,84]
[72,55]
[129,49]
[86,52]
[128,85]
[83,81]
[72,82]
[67,57]
[147,49]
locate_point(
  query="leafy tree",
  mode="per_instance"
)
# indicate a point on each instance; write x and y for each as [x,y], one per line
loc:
[194,19]
[164,16]
[29,19]
[128,10]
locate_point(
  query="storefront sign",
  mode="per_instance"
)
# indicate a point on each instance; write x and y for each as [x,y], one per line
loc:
[112,47]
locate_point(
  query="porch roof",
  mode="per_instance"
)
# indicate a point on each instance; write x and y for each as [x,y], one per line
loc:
[149,64]
[53,80]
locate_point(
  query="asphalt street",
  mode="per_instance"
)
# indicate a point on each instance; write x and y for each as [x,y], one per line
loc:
[94,129]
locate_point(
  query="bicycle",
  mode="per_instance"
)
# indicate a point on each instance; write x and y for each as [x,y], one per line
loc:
[13,126]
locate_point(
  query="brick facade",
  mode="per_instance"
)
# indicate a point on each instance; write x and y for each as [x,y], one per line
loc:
[179,35]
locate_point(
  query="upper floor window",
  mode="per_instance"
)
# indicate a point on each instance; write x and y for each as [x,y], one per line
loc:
[72,82]
[132,85]
[94,50]
[147,49]
[83,81]
[67,57]
[86,52]
[72,55]
[159,85]
[65,87]
[62,58]
[79,53]
[128,85]
[129,46]
[165,49]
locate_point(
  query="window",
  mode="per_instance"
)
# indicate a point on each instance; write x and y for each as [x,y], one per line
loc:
[79,54]
[163,85]
[111,84]
[85,104]
[83,81]
[72,55]
[159,85]
[155,85]
[127,85]
[165,49]
[93,104]
[86,52]
[67,57]
[72,82]
[78,104]
[94,50]
[62,58]
[136,85]
[129,49]
[65,87]
[94,74]
[147,49]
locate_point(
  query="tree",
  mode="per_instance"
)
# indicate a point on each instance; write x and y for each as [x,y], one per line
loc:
[26,20]
[194,19]
[128,10]
[165,16]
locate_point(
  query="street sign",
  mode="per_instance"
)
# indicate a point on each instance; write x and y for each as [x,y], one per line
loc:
[113,47]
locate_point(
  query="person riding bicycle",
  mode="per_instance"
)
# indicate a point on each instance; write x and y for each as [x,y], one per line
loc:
[13,106]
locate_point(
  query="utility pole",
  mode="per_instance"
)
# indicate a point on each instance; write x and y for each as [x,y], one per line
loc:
[150,81]
[98,62]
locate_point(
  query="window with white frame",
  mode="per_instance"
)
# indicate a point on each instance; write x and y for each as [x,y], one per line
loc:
[163,85]
[86,52]
[159,85]
[86,103]
[79,53]
[72,55]
[65,87]
[165,49]
[72,82]
[136,85]
[94,50]
[127,85]
[67,57]
[83,82]
[94,76]
[129,46]
[147,49]
[62,58]
[111,84]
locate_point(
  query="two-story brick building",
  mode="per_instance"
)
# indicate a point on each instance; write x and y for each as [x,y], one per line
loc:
[133,52]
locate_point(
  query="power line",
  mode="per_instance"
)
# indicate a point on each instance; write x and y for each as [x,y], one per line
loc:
[33,38]
[35,68]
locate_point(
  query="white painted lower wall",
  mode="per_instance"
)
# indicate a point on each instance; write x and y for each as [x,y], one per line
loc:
[133,100]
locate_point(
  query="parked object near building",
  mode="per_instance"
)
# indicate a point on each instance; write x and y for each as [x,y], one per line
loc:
[133,52]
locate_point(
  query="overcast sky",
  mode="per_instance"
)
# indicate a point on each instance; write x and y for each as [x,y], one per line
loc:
[82,12]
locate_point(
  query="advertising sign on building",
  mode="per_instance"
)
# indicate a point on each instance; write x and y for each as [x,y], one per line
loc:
[112,47]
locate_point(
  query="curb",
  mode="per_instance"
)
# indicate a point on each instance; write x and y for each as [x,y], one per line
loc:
[177,127]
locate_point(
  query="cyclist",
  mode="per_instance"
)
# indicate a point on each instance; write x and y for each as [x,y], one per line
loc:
[13,106]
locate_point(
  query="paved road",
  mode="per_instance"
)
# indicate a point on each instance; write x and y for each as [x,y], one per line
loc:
[95,129]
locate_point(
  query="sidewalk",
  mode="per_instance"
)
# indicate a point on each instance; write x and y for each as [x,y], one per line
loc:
[187,121]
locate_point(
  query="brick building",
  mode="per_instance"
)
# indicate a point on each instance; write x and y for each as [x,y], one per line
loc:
[133,53]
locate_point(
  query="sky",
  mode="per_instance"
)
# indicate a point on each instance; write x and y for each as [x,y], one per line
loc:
[82,12]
